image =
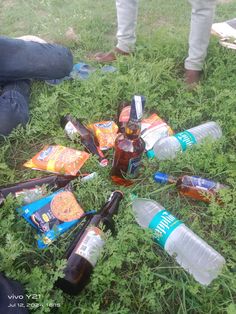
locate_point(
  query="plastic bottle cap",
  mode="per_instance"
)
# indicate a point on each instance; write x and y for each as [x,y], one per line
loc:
[133,196]
[150,154]
[160,177]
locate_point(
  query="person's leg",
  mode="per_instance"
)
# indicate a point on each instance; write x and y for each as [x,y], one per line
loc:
[127,11]
[14,106]
[9,288]
[20,59]
[200,30]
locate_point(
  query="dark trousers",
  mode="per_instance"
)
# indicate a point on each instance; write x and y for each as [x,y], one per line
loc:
[12,298]
[20,61]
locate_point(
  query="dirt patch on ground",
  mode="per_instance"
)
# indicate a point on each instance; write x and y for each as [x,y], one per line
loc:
[6,4]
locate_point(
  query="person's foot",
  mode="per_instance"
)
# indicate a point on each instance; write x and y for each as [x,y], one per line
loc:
[192,77]
[109,56]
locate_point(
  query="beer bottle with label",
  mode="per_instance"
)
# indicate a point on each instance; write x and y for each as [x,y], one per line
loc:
[74,127]
[192,186]
[129,146]
[83,257]
[34,189]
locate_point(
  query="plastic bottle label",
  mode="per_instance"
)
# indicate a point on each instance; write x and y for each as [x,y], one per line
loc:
[91,245]
[163,225]
[133,166]
[185,139]
[154,133]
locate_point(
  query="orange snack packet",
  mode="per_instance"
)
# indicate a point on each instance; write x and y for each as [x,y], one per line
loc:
[105,133]
[153,128]
[58,159]
[154,119]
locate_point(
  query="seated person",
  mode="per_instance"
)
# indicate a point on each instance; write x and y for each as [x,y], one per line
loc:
[21,60]
[9,288]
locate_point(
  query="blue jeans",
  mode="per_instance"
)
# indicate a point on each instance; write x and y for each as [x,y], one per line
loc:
[9,289]
[20,61]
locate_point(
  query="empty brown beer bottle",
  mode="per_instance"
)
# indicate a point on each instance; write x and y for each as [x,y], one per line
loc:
[33,189]
[74,127]
[83,257]
[129,146]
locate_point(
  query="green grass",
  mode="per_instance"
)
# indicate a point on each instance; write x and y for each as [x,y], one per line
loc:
[132,275]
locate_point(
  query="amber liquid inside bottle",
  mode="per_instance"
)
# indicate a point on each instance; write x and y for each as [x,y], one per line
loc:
[129,148]
[197,188]
[79,268]
[194,193]
[83,255]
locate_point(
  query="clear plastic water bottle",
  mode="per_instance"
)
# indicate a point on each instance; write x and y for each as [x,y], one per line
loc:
[167,147]
[189,250]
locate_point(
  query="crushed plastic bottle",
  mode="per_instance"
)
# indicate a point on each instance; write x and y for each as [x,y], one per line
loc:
[189,250]
[168,147]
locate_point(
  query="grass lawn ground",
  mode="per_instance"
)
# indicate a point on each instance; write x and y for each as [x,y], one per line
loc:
[133,275]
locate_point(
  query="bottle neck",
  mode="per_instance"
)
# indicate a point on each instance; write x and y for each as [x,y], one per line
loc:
[172,180]
[62,181]
[112,205]
[82,129]
[133,129]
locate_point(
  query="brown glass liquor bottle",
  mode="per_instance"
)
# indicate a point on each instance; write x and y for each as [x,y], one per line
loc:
[83,257]
[129,146]
[74,127]
[33,189]
[192,186]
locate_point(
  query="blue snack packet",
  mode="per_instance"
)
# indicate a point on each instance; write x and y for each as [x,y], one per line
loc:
[52,215]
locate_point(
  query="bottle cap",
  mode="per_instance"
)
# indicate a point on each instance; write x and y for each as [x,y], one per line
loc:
[137,107]
[150,154]
[161,177]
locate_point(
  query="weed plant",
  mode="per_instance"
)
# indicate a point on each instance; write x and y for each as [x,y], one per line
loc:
[133,276]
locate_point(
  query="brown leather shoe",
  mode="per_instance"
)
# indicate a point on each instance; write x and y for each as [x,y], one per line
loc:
[109,56]
[192,77]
